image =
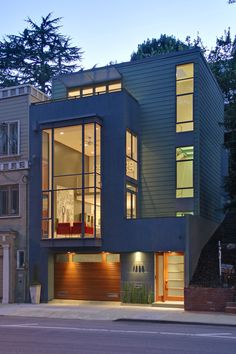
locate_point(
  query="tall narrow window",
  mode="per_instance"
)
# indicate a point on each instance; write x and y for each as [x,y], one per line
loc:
[131,201]
[71,181]
[184,172]
[9,138]
[9,200]
[184,97]
[131,155]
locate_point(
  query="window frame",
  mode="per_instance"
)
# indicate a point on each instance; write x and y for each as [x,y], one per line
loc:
[93,87]
[53,190]
[8,123]
[9,188]
[131,156]
[132,192]
[176,175]
[190,93]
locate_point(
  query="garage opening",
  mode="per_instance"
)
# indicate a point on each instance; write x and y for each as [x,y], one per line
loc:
[94,277]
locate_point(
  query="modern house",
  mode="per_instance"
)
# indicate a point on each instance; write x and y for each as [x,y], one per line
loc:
[125,179]
[14,181]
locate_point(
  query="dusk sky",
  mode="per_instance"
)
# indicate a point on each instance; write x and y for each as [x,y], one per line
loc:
[110,30]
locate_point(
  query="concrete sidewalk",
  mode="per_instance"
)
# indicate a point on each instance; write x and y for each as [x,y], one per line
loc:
[83,310]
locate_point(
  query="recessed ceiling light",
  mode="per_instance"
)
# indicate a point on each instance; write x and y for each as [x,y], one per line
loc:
[62,133]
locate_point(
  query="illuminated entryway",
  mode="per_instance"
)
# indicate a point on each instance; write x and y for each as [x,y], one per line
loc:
[94,276]
[169,276]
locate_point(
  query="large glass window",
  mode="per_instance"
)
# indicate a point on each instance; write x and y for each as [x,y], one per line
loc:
[9,200]
[184,172]
[71,181]
[184,97]
[9,138]
[131,155]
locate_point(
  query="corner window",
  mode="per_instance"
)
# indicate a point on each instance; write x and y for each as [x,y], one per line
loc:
[131,155]
[184,172]
[9,138]
[9,200]
[71,181]
[131,201]
[184,97]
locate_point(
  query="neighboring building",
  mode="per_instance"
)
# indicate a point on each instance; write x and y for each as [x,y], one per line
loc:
[14,167]
[125,178]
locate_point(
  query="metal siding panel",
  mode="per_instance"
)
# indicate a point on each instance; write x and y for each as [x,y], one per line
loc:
[153,85]
[211,136]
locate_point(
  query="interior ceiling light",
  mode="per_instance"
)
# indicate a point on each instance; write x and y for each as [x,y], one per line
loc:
[61,133]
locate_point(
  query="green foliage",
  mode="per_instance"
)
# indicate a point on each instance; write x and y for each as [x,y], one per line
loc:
[222,60]
[165,44]
[37,54]
[136,294]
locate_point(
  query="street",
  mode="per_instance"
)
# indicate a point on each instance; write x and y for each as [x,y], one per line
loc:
[21,335]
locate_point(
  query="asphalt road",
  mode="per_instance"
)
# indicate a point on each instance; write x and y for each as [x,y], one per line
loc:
[20,335]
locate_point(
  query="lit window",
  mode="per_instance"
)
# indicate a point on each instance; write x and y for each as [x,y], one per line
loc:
[131,201]
[9,138]
[184,172]
[131,155]
[94,90]
[74,93]
[87,91]
[71,181]
[114,87]
[9,200]
[180,214]
[184,97]
[99,90]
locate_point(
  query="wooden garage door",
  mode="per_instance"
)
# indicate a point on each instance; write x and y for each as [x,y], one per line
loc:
[87,277]
[1,272]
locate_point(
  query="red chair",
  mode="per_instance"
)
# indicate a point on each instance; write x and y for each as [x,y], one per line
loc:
[63,228]
[76,228]
[88,230]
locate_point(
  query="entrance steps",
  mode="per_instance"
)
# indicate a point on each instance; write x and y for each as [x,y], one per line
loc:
[169,304]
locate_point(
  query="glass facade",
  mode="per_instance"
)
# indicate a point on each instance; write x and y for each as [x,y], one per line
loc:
[71,182]
[184,172]
[184,97]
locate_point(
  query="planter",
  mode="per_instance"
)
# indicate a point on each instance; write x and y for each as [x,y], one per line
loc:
[35,292]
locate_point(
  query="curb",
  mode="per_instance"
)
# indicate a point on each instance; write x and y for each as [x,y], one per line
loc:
[174,322]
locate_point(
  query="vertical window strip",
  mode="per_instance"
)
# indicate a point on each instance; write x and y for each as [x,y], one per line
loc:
[184,97]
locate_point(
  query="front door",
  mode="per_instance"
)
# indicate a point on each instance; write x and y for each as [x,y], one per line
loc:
[170,276]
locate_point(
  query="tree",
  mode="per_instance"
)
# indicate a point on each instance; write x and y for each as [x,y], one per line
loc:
[222,60]
[37,54]
[165,44]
